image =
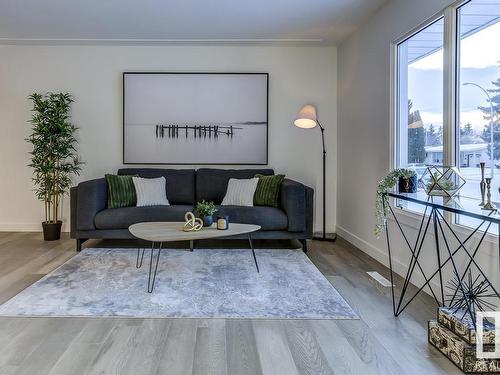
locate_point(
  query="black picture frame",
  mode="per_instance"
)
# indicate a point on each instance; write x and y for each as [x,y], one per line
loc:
[124,74]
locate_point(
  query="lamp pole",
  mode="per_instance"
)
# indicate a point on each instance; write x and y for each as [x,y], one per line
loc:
[491,122]
[324,178]
[308,119]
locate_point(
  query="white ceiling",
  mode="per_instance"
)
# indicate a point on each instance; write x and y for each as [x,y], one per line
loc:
[324,22]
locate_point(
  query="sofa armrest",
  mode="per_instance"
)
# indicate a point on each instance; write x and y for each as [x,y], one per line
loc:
[73,202]
[296,201]
[91,197]
[309,212]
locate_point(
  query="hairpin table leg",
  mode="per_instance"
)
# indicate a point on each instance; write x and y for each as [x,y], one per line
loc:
[138,263]
[253,251]
[151,280]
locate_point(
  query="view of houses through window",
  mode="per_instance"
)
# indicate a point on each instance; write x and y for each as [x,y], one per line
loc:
[420,100]
[479,93]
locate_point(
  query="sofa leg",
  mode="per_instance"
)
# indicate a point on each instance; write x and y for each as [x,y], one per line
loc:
[304,245]
[79,243]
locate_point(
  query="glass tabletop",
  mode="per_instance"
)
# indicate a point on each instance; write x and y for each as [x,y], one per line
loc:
[457,204]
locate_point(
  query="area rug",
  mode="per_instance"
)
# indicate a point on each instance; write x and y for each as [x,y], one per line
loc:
[205,283]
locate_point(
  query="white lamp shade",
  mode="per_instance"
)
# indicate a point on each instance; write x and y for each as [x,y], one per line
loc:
[306,118]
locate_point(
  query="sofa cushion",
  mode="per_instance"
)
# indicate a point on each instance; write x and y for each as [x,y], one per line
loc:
[211,184]
[121,191]
[151,191]
[122,218]
[268,190]
[269,218]
[180,182]
[240,192]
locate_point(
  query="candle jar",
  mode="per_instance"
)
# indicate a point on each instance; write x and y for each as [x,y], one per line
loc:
[222,223]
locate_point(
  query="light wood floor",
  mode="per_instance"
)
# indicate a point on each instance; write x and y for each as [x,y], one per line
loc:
[378,343]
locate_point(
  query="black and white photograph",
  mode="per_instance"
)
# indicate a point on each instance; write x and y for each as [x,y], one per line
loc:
[195,118]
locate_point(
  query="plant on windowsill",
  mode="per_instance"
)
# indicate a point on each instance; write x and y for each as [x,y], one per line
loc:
[407,181]
[53,156]
[205,211]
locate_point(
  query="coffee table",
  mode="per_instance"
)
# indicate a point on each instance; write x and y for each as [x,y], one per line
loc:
[160,232]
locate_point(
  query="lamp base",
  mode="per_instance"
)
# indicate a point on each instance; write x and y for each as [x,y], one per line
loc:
[318,236]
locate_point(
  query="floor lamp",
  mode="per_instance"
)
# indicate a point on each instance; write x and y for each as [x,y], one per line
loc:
[308,119]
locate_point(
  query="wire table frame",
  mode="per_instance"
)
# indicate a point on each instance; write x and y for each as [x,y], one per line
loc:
[435,220]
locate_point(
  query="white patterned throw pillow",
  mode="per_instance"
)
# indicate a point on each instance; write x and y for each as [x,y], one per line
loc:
[151,191]
[240,192]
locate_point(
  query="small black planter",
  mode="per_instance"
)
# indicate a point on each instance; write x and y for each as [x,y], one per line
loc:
[51,231]
[207,221]
[408,185]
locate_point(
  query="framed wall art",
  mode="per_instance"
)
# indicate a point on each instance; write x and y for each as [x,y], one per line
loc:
[195,118]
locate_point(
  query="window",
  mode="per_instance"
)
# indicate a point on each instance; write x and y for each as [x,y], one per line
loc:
[447,94]
[478,88]
[420,98]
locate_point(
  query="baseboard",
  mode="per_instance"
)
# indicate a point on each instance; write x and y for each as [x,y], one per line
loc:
[27,227]
[373,251]
[382,256]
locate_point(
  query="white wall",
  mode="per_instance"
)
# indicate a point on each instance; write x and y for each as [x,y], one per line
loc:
[364,128]
[298,75]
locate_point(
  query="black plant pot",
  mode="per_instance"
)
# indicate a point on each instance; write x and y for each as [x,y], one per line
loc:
[207,221]
[408,185]
[51,231]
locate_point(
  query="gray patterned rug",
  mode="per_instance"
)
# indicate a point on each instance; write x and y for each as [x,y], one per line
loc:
[199,284]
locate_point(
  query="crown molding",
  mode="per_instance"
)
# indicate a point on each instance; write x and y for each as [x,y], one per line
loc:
[161,42]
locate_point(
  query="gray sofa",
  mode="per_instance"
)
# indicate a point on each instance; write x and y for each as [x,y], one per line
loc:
[91,219]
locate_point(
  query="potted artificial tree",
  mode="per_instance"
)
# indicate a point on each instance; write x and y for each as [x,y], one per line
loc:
[53,157]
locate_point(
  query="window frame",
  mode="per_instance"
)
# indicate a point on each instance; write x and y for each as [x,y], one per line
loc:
[451,132]
[395,97]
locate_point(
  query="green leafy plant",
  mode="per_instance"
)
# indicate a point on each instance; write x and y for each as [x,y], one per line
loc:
[53,157]
[205,208]
[387,183]
[441,183]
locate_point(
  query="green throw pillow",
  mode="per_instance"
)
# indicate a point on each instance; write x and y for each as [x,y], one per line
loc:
[121,191]
[268,189]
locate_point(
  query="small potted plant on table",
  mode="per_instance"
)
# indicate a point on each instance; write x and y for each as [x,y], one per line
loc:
[407,183]
[53,157]
[205,211]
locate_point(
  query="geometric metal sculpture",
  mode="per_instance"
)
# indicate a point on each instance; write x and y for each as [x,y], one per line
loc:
[441,180]
[471,294]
